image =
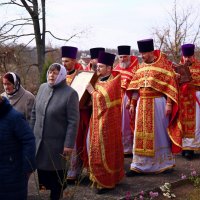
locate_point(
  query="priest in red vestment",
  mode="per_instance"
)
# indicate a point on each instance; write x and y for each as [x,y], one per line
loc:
[126,65]
[105,149]
[154,103]
[190,103]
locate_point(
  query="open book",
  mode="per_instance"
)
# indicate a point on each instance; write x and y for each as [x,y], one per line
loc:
[80,82]
[184,71]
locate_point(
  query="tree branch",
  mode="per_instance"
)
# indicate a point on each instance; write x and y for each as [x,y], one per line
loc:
[10,37]
[12,26]
[66,40]
[28,8]
[12,2]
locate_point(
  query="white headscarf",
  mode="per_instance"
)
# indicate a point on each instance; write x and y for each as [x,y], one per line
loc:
[61,76]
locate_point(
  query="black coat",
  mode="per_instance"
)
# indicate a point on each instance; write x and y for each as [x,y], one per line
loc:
[17,153]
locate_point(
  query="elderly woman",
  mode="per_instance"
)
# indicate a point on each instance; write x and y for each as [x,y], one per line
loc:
[17,153]
[55,120]
[21,99]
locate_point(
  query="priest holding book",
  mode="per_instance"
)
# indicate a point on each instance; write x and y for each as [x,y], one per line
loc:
[189,103]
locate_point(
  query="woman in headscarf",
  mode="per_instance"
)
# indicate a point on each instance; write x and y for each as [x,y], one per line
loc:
[55,120]
[21,99]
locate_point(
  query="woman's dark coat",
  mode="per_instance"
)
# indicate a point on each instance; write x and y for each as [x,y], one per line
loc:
[17,153]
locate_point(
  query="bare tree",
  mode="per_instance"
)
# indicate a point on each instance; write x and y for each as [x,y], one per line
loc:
[183,26]
[20,59]
[11,30]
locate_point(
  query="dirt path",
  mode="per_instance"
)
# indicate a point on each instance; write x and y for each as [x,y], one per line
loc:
[131,185]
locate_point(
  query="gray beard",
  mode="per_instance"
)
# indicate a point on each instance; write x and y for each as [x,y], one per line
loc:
[124,65]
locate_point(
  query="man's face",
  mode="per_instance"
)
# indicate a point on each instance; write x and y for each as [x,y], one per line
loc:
[147,57]
[124,61]
[102,70]
[188,60]
[68,63]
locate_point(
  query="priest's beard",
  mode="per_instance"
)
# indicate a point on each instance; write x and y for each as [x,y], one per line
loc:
[124,65]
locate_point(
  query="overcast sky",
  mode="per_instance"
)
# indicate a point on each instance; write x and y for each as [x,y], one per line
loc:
[105,23]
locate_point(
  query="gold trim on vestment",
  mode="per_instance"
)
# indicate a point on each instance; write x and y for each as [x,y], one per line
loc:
[194,70]
[156,81]
[179,125]
[125,72]
[100,162]
[102,142]
[188,112]
[145,130]
[158,75]
[70,77]
[150,67]
[109,103]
